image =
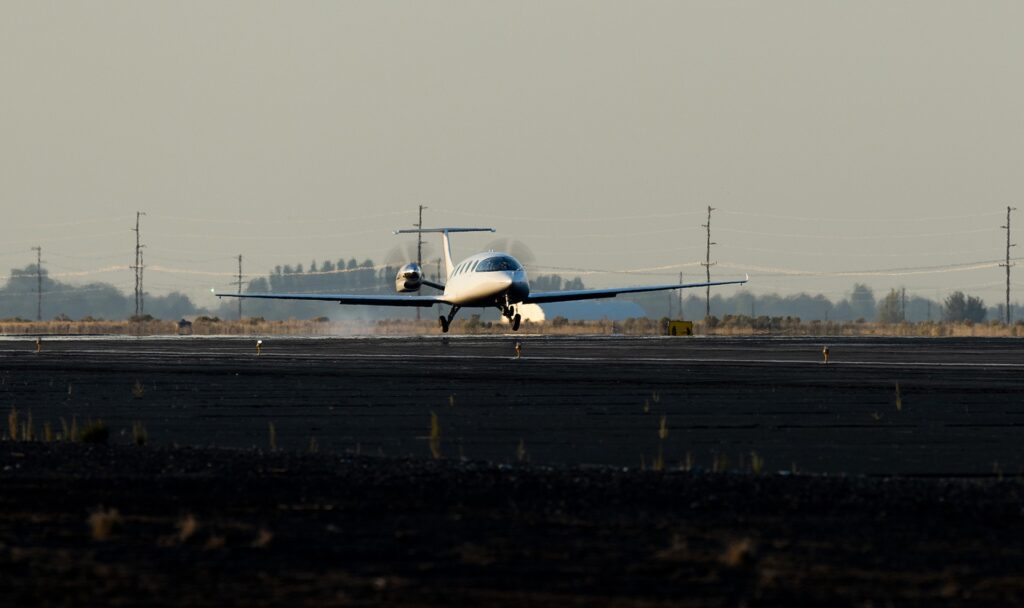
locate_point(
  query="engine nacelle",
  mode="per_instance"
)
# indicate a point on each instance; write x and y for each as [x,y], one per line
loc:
[409,278]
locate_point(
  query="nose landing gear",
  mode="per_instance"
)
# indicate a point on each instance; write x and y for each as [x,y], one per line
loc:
[509,312]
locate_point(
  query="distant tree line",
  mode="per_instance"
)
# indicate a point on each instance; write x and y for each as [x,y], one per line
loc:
[104,301]
[859,305]
[18,299]
[18,296]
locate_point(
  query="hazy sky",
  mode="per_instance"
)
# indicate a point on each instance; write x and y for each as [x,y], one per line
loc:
[595,132]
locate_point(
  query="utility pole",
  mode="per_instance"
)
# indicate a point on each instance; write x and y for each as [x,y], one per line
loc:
[419,249]
[239,284]
[39,282]
[138,265]
[680,293]
[142,290]
[903,304]
[1008,264]
[707,264]
[419,238]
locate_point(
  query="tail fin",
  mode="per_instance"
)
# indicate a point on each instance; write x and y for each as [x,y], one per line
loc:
[447,246]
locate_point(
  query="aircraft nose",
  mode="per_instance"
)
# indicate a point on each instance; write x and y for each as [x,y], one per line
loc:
[505,279]
[518,288]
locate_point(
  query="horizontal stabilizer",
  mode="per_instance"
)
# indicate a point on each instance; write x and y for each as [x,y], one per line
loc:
[416,230]
[446,248]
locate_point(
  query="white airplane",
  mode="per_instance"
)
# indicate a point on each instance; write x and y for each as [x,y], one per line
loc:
[484,280]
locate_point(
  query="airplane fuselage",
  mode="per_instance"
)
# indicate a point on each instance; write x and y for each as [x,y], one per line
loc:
[486,280]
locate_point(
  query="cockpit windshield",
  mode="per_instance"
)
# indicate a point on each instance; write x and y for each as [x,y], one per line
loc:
[499,262]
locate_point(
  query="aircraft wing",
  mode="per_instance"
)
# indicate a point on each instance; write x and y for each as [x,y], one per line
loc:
[593,294]
[341,298]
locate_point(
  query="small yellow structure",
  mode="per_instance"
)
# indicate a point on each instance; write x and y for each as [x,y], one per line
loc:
[259,347]
[679,328]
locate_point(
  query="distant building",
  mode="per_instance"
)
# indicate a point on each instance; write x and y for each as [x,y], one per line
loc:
[184,327]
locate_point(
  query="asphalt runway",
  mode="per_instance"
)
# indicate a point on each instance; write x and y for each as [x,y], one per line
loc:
[883,406]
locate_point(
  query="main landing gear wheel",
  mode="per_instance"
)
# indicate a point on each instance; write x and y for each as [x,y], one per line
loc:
[515,322]
[447,321]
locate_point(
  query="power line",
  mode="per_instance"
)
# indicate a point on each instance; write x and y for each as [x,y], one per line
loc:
[608,235]
[668,269]
[263,237]
[884,272]
[853,254]
[278,221]
[915,220]
[860,237]
[93,220]
[70,274]
[213,273]
[73,237]
[660,270]
[574,220]
[50,292]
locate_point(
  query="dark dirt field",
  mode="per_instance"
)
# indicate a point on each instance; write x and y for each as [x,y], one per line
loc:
[538,498]
[215,527]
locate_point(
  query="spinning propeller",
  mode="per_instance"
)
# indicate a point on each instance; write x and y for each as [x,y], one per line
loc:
[517,249]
